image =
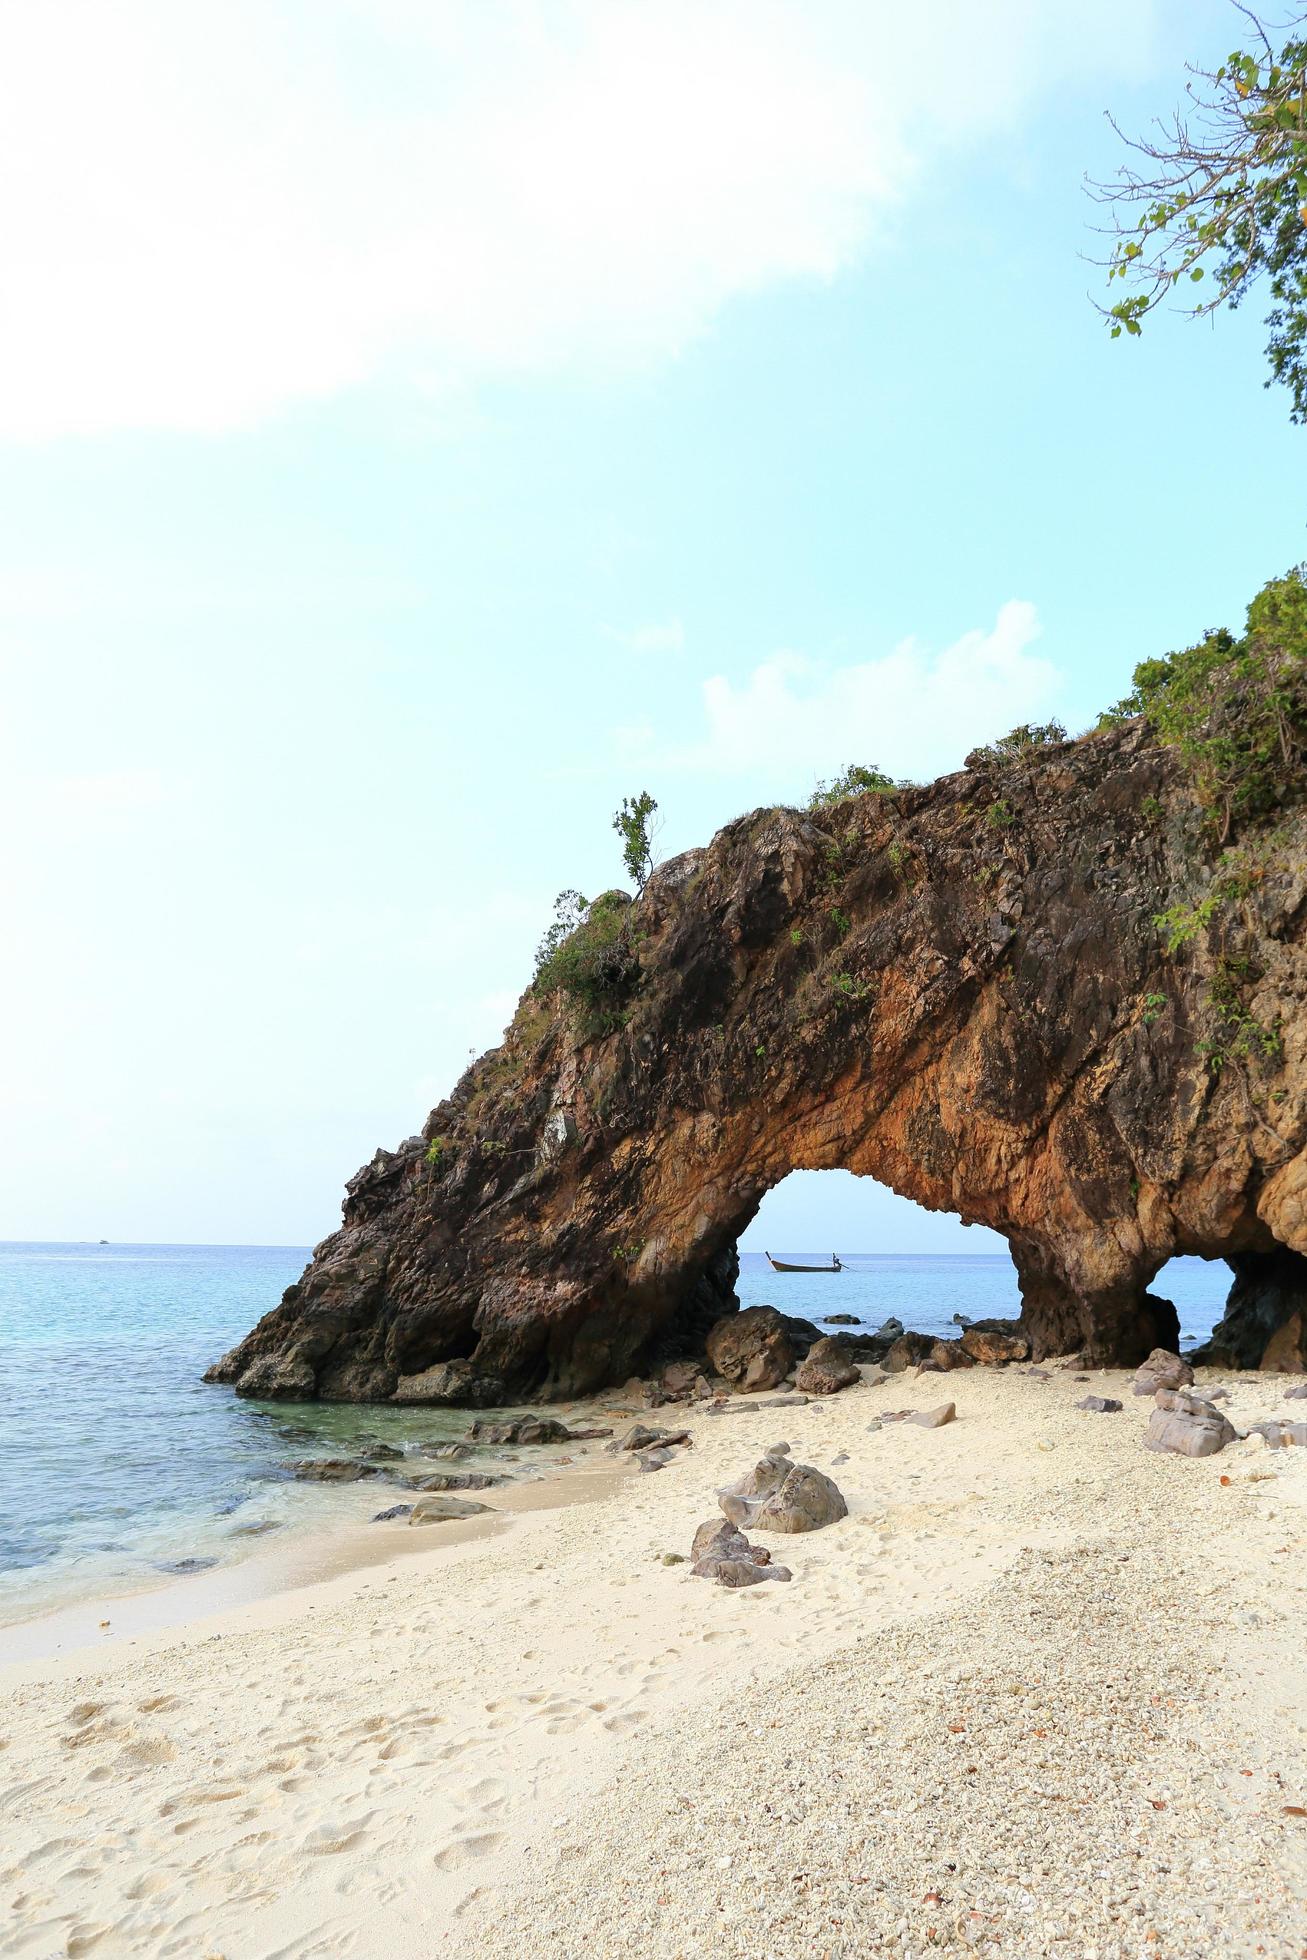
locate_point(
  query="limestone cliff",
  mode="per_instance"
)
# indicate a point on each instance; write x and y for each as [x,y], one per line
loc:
[961,990]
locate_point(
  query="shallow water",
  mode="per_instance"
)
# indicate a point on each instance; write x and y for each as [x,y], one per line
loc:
[118,1463]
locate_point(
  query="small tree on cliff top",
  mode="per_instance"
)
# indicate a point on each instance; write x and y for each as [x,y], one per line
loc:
[632,823]
[1222,189]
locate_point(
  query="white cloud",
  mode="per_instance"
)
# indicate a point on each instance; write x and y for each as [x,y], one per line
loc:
[913,712]
[209,213]
[665,637]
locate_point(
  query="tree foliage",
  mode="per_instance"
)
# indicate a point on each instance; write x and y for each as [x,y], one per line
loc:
[632,823]
[1236,709]
[1222,191]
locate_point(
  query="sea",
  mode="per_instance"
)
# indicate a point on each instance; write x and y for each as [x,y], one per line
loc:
[122,1470]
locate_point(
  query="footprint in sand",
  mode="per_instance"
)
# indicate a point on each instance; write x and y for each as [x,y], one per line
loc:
[324,1840]
[467,1851]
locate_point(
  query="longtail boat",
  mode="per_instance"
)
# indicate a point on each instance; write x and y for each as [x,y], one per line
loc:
[783,1266]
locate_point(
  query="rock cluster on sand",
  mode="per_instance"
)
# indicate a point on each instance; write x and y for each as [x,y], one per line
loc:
[526,1429]
[777,1495]
[1103,1405]
[723,1553]
[1281,1435]
[1186,1425]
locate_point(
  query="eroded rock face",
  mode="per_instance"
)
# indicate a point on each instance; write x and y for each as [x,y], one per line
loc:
[980,1014]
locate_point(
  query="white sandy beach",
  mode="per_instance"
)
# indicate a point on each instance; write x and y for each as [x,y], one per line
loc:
[1041,1692]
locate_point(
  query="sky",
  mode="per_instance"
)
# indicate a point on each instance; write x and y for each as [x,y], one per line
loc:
[423,422]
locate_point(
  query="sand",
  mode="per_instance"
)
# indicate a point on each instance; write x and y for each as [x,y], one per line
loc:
[1042,1692]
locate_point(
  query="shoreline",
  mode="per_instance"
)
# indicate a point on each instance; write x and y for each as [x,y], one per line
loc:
[492,1751]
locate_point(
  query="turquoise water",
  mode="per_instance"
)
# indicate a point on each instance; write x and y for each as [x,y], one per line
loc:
[119,1464]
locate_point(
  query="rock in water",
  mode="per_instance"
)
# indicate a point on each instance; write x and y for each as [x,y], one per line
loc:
[392,1512]
[441,1509]
[331,1470]
[752,1349]
[843,1320]
[1162,1370]
[521,1429]
[1186,1425]
[828,1367]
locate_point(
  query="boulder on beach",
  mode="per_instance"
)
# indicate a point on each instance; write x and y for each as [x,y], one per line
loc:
[391,1513]
[439,1508]
[803,1499]
[1162,1369]
[1102,1405]
[906,1351]
[947,1355]
[827,1368]
[752,1349]
[638,1438]
[1281,1435]
[994,1345]
[455,1480]
[934,1418]
[722,1552]
[1186,1425]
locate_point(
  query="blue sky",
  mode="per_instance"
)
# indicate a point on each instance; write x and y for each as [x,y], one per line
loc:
[422,424]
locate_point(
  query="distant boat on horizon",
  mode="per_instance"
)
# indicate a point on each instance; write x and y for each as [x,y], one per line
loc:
[104,1241]
[784,1266]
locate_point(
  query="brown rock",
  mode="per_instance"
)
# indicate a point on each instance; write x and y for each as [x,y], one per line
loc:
[331,1470]
[805,1501]
[906,1352]
[1162,1370]
[1186,1425]
[521,1429]
[455,1480]
[993,1349]
[752,1349]
[439,1508]
[934,1418]
[1286,1351]
[828,1367]
[444,1452]
[947,1355]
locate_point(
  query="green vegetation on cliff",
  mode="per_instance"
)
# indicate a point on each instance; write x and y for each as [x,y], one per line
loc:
[1235,709]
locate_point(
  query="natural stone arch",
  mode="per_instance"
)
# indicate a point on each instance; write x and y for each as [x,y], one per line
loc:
[959,990]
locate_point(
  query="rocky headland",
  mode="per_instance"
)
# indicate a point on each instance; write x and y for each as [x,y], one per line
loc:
[1060,994]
